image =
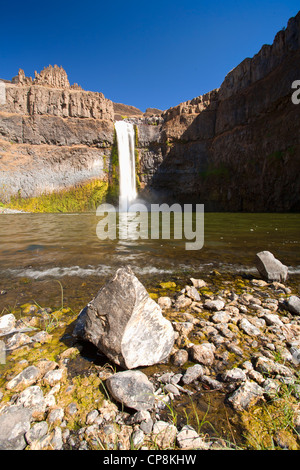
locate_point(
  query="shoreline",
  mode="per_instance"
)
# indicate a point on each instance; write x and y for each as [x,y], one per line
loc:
[6,210]
[247,368]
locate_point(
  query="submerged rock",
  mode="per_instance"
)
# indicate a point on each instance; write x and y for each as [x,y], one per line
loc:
[126,324]
[192,373]
[270,268]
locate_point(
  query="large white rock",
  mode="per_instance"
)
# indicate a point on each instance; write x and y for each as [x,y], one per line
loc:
[126,324]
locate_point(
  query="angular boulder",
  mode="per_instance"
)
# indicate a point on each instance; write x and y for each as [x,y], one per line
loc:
[270,268]
[126,324]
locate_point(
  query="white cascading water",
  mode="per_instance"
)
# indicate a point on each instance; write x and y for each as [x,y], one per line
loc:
[127,180]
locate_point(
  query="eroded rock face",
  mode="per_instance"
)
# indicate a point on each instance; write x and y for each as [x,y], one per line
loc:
[236,148]
[53,135]
[126,324]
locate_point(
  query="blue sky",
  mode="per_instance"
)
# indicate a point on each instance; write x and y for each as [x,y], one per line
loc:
[143,53]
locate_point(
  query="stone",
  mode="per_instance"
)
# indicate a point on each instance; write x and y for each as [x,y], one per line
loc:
[272,319]
[41,337]
[37,432]
[234,375]
[143,417]
[183,328]
[55,77]
[53,376]
[56,439]
[126,324]
[33,398]
[213,384]
[257,376]
[292,304]
[166,378]
[71,409]
[203,353]
[268,367]
[246,395]
[7,324]
[164,302]
[137,438]
[188,438]
[56,415]
[192,374]
[215,305]
[147,426]
[24,379]
[180,357]
[192,293]
[182,302]
[132,389]
[14,424]
[170,388]
[139,416]
[270,268]
[198,283]
[92,416]
[221,317]
[17,340]
[164,434]
[248,328]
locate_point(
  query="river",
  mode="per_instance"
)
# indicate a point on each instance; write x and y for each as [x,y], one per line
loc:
[38,250]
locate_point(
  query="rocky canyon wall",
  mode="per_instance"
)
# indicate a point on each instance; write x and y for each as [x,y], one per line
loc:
[52,135]
[236,148]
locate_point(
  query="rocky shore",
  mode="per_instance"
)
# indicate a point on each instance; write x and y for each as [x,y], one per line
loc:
[6,210]
[236,345]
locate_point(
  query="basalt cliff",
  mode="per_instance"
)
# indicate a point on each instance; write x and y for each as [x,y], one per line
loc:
[236,148]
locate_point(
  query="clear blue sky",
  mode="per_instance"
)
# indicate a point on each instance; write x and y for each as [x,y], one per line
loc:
[143,53]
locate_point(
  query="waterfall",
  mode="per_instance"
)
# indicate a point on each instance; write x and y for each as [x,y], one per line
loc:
[127,180]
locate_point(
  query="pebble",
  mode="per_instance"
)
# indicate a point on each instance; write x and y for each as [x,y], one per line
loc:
[214,305]
[192,374]
[228,328]
[188,439]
